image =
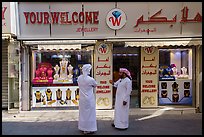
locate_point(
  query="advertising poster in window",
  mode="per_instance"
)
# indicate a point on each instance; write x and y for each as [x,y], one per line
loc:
[149,76]
[103,74]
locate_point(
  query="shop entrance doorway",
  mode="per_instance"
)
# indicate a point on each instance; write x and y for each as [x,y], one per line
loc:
[127,57]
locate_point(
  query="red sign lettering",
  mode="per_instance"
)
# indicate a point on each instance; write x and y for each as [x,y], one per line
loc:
[115,21]
[60,17]
[103,82]
[148,81]
[148,49]
[3,12]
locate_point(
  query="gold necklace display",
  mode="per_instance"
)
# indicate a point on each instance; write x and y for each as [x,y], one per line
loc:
[38,96]
[43,100]
[59,94]
[175,87]
[164,85]
[68,94]
[77,94]
[164,93]
[186,93]
[187,85]
[175,97]
[49,94]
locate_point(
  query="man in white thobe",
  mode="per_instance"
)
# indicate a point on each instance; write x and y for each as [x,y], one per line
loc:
[122,100]
[87,108]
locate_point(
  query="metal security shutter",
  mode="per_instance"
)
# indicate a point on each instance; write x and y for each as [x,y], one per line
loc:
[5,74]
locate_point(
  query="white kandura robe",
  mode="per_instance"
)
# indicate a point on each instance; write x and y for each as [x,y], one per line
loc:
[121,114]
[87,107]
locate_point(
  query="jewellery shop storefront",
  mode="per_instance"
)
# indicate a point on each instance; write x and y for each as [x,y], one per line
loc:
[157,45]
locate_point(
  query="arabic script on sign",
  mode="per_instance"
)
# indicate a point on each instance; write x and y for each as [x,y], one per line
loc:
[156,19]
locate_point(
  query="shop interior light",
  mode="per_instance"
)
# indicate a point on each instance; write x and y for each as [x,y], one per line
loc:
[125,54]
[79,57]
[54,56]
[67,56]
[177,49]
[60,56]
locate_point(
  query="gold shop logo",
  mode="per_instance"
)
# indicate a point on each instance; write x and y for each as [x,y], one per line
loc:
[103,101]
[148,100]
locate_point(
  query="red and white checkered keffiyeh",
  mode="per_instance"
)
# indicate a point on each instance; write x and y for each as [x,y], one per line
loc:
[125,71]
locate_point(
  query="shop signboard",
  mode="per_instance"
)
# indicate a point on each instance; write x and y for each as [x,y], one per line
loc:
[9,22]
[68,20]
[149,76]
[5,17]
[157,19]
[98,30]
[103,74]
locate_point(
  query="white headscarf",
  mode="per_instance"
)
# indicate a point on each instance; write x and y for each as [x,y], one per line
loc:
[86,69]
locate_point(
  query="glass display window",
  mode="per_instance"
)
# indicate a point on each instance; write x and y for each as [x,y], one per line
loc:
[58,66]
[54,76]
[175,76]
[175,64]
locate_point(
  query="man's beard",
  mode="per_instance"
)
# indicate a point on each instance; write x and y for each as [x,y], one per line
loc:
[122,76]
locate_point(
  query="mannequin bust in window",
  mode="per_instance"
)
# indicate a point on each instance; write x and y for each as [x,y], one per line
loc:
[184,72]
[174,69]
[63,69]
[70,69]
[56,68]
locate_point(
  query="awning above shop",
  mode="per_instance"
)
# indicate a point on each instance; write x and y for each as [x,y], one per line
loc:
[60,47]
[58,42]
[164,42]
[56,45]
[8,36]
[146,42]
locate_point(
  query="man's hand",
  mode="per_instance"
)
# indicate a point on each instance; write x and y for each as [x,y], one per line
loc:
[124,103]
[111,81]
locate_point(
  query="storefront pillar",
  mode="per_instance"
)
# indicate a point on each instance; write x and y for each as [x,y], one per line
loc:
[13,76]
[199,78]
[25,88]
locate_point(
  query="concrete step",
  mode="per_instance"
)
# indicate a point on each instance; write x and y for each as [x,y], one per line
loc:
[106,113]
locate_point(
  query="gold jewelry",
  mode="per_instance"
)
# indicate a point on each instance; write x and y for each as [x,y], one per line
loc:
[68,94]
[186,85]
[186,93]
[59,94]
[75,102]
[164,94]
[164,85]
[49,94]
[175,97]
[38,96]
[51,102]
[77,94]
